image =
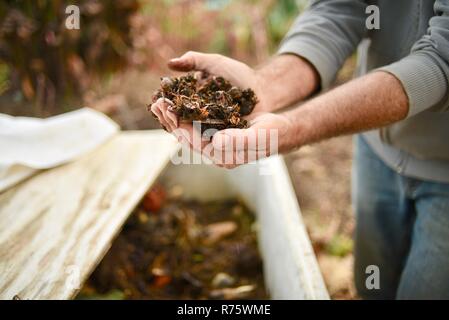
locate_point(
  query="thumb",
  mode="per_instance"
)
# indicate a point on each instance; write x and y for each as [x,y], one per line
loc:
[190,61]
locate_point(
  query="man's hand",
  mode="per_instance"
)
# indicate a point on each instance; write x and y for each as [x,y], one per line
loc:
[238,73]
[284,80]
[375,100]
[233,147]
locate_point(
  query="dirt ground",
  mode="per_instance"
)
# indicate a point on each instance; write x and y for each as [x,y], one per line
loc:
[321,178]
[172,248]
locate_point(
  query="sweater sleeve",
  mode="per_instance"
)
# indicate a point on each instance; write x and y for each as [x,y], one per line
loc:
[326,34]
[424,73]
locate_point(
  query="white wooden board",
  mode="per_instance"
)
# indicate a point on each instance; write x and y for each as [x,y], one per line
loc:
[56,226]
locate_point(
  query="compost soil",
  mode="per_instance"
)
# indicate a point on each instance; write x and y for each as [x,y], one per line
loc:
[172,248]
[212,101]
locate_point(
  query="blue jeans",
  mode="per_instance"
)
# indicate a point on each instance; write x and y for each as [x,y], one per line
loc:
[402,228]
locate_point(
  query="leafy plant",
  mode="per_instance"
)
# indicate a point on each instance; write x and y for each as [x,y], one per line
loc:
[4,78]
[339,246]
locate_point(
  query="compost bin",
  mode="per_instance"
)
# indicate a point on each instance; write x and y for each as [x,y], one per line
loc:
[288,265]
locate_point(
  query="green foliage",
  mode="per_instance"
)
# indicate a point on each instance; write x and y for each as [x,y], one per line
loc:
[4,78]
[281,17]
[111,295]
[339,246]
[219,43]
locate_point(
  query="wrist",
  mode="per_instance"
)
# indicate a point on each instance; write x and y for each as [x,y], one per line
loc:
[285,80]
[299,129]
[266,98]
[287,134]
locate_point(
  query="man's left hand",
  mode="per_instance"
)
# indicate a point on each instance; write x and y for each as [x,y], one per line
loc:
[230,148]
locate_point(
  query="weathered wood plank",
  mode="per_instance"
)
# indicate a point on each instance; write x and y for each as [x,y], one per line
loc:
[56,226]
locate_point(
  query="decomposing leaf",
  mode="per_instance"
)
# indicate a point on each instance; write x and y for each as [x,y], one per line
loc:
[212,101]
[232,293]
[217,231]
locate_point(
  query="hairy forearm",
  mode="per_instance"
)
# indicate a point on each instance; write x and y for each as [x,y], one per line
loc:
[284,80]
[373,101]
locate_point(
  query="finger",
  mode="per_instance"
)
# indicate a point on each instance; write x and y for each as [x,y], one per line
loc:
[187,132]
[234,139]
[219,155]
[196,141]
[194,137]
[191,61]
[180,135]
[242,145]
[227,160]
[223,154]
[156,109]
[173,118]
[184,131]
[169,117]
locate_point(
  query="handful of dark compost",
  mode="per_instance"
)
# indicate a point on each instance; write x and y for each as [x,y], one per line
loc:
[212,101]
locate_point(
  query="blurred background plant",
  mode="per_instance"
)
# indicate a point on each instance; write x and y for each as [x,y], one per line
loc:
[45,64]
[113,64]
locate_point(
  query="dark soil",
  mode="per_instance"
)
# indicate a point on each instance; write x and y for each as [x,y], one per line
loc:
[180,249]
[210,100]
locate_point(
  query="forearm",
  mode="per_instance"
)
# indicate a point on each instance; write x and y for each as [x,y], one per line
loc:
[373,101]
[284,80]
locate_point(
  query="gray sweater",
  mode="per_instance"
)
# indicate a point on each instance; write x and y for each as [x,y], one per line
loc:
[412,44]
